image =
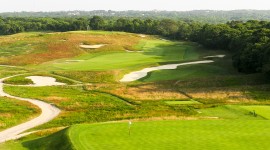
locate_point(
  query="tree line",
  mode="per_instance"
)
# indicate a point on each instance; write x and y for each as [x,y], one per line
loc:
[206,16]
[249,41]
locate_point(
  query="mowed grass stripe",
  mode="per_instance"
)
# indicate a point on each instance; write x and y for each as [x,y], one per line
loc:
[263,111]
[166,135]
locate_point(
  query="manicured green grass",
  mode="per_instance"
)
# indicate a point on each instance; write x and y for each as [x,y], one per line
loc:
[158,135]
[221,67]
[263,111]
[228,81]
[228,112]
[185,72]
[108,61]
[13,112]
[171,135]
[154,51]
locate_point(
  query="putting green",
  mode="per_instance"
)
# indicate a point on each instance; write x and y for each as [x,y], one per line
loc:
[171,135]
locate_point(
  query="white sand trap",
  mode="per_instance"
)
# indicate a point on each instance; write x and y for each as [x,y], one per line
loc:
[142,35]
[74,60]
[215,56]
[43,81]
[142,73]
[92,46]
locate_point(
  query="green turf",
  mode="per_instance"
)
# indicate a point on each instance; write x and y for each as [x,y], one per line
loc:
[221,67]
[263,111]
[158,135]
[154,51]
[228,112]
[171,135]
[108,61]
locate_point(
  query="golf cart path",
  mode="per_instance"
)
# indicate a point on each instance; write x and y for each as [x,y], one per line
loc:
[48,113]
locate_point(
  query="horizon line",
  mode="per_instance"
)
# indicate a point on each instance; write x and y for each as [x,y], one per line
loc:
[139,10]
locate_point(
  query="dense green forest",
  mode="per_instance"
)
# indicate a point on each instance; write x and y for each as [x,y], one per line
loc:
[249,41]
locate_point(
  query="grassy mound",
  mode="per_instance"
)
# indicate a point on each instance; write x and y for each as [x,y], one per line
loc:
[37,47]
[56,141]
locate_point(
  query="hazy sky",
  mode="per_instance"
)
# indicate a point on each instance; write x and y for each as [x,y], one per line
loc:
[179,5]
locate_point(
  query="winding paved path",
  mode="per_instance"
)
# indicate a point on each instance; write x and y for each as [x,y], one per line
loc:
[49,112]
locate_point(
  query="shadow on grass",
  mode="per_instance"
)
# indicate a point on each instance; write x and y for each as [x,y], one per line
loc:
[56,141]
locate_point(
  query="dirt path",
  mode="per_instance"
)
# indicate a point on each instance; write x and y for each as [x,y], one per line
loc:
[142,73]
[49,112]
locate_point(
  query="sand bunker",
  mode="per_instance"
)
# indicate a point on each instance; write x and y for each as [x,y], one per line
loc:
[142,35]
[74,60]
[43,81]
[92,46]
[7,66]
[142,73]
[215,56]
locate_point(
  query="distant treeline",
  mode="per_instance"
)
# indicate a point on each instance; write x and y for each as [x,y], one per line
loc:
[248,41]
[205,16]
